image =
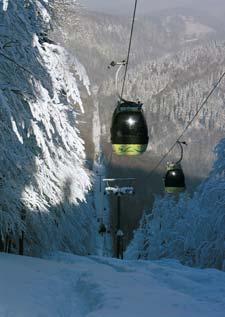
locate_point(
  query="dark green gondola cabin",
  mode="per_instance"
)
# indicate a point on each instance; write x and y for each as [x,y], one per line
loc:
[129,132]
[174,179]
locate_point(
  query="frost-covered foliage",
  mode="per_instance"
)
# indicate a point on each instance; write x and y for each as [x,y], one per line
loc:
[44,184]
[189,229]
[139,245]
[65,14]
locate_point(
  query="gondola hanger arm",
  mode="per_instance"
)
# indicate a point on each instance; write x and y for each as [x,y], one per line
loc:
[180,144]
[120,64]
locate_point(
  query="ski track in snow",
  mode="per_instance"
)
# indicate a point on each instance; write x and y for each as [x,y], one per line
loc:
[64,285]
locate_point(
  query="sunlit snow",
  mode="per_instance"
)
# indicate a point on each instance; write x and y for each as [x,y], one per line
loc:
[42,154]
[5,4]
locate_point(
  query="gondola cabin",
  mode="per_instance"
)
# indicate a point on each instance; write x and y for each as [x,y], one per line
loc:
[174,179]
[129,132]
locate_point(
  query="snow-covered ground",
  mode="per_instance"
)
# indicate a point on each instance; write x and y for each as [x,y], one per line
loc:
[69,285]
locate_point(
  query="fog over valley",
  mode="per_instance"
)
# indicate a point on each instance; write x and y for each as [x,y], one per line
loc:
[148,6]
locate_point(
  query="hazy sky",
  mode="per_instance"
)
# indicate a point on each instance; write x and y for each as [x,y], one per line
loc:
[147,6]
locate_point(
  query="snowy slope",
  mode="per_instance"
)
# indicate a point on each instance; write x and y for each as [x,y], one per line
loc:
[67,285]
[42,162]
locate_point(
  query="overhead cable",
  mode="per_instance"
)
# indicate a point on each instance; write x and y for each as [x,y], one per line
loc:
[215,86]
[129,49]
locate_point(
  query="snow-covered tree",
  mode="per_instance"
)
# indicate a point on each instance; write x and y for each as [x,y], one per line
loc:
[138,248]
[44,183]
[189,229]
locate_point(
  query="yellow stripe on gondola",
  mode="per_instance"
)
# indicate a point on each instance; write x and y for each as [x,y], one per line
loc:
[174,190]
[129,149]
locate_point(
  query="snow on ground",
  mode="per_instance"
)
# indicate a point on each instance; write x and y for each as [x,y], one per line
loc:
[69,285]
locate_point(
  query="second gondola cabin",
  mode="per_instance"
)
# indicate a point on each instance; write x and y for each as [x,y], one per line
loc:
[129,132]
[174,179]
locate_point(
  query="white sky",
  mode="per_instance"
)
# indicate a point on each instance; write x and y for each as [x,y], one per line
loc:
[147,6]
